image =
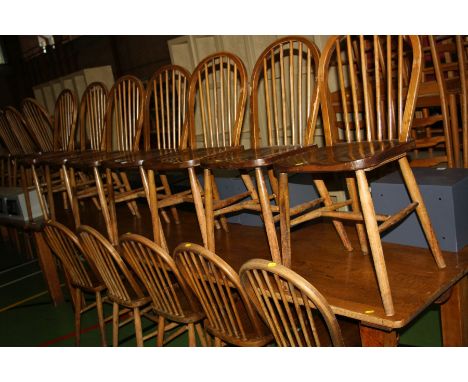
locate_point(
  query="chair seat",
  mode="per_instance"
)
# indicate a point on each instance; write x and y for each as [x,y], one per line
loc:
[344,157]
[38,158]
[136,159]
[251,158]
[186,158]
[95,159]
[60,160]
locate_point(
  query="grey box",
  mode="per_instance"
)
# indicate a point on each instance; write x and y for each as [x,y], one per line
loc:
[445,193]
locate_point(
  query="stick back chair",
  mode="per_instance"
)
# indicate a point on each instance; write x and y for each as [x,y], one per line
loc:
[172,300]
[83,279]
[123,288]
[39,122]
[292,308]
[216,106]
[123,132]
[284,93]
[230,316]
[367,140]
[165,129]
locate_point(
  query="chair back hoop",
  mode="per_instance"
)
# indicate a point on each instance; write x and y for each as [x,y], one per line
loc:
[229,312]
[66,246]
[166,122]
[65,116]
[124,114]
[8,137]
[39,123]
[20,130]
[158,272]
[217,101]
[289,304]
[120,282]
[369,87]
[93,117]
[284,94]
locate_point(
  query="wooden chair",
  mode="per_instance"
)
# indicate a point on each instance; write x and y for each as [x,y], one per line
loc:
[283,116]
[39,122]
[123,127]
[462,54]
[216,121]
[378,136]
[123,289]
[82,278]
[172,301]
[292,308]
[91,134]
[230,317]
[165,130]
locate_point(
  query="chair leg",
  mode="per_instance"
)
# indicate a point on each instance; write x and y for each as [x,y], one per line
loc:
[421,211]
[375,243]
[222,218]
[138,328]
[218,342]
[77,316]
[285,218]
[115,324]
[267,216]
[192,342]
[161,329]
[356,208]
[323,192]
[198,204]
[201,335]
[209,212]
[100,314]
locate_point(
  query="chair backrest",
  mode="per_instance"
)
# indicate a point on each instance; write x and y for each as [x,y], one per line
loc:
[159,274]
[217,100]
[65,245]
[166,121]
[39,122]
[285,93]
[230,315]
[120,282]
[93,117]
[8,137]
[65,115]
[124,114]
[20,130]
[289,304]
[369,87]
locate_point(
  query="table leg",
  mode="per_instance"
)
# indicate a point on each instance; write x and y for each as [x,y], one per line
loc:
[49,270]
[372,337]
[454,316]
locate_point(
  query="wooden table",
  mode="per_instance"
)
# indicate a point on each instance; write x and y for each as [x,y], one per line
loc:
[346,279]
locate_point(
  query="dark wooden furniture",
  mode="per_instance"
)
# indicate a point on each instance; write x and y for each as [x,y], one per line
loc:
[230,317]
[83,280]
[366,141]
[284,92]
[123,289]
[216,106]
[172,300]
[290,305]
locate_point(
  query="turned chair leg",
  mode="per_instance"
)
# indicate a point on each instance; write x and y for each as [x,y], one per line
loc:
[100,313]
[77,316]
[351,183]
[115,324]
[421,211]
[161,329]
[191,335]
[138,328]
[198,201]
[375,242]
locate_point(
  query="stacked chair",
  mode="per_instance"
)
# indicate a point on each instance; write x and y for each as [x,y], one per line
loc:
[367,90]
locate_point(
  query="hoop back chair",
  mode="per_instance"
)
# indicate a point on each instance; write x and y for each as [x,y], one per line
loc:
[65,116]
[290,305]
[373,129]
[284,103]
[172,300]
[216,107]
[13,148]
[230,317]
[39,122]
[20,130]
[83,279]
[123,289]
